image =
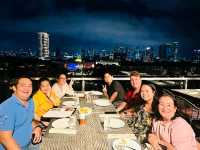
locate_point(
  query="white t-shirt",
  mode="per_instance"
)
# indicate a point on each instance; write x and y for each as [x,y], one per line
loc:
[60,91]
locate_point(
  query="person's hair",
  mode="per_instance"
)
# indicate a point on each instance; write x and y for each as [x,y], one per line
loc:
[43,79]
[157,115]
[108,72]
[58,75]
[15,81]
[135,73]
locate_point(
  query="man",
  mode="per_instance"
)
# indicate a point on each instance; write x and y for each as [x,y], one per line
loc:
[113,90]
[132,97]
[16,118]
[60,88]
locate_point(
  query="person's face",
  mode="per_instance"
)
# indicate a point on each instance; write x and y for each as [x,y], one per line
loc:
[62,79]
[45,87]
[147,93]
[23,89]
[135,82]
[166,108]
[108,78]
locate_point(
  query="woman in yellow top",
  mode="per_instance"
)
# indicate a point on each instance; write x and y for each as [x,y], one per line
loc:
[44,99]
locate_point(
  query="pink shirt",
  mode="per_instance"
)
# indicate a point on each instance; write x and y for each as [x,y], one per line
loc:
[178,133]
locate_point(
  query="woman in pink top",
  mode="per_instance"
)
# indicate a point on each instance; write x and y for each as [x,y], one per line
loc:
[169,131]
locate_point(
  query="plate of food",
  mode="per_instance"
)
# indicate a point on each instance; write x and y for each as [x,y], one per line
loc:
[126,144]
[61,123]
[102,102]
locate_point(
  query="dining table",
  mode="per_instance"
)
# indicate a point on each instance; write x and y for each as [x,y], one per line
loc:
[92,135]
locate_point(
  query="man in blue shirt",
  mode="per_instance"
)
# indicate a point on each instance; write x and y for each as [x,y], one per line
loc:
[16,118]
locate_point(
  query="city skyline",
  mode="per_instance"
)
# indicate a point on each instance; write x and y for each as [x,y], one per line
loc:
[100,24]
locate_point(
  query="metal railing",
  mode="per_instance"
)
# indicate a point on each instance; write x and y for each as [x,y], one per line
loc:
[158,79]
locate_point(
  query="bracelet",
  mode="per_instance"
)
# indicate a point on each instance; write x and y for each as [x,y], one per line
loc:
[40,126]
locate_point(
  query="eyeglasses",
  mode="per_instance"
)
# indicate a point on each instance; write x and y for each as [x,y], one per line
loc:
[62,78]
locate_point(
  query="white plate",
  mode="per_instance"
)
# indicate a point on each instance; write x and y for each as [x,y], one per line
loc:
[69,103]
[125,144]
[102,102]
[58,113]
[116,123]
[97,93]
[61,123]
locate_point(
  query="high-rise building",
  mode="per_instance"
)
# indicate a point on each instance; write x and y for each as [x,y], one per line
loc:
[148,54]
[169,51]
[43,39]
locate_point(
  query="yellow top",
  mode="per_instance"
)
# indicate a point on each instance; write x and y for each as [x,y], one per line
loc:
[42,103]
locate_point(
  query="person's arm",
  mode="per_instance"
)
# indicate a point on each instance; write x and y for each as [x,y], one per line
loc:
[121,106]
[105,93]
[56,100]
[182,135]
[8,141]
[113,96]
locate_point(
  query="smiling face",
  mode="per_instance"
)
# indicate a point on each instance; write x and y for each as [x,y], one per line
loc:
[147,93]
[166,108]
[45,87]
[62,79]
[108,78]
[135,82]
[23,89]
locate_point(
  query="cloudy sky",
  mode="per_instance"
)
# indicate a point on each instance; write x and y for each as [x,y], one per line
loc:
[100,23]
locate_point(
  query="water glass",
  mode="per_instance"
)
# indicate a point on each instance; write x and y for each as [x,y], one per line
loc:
[72,122]
[106,124]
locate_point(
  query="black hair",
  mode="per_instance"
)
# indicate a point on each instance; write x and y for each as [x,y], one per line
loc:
[58,75]
[43,79]
[108,72]
[15,81]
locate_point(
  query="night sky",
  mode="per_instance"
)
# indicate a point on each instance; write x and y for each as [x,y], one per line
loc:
[100,23]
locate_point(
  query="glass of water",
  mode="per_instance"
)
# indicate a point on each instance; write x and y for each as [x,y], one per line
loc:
[72,122]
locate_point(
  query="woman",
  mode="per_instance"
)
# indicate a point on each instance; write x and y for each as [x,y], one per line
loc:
[142,121]
[44,99]
[61,87]
[169,131]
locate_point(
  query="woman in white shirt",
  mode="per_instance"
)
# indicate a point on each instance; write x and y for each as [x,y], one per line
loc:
[61,87]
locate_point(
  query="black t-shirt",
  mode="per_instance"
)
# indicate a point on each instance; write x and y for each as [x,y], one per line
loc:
[116,87]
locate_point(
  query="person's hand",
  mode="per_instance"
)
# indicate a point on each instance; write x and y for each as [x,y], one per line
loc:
[71,82]
[37,132]
[154,141]
[104,89]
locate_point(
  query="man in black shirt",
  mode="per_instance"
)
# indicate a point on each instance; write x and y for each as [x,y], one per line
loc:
[113,90]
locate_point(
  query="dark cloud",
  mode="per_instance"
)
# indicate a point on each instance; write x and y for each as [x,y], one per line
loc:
[102,23]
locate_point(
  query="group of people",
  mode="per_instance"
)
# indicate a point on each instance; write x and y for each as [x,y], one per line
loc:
[153,118]
[20,115]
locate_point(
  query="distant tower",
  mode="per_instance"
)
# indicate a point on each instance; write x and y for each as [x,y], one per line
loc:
[43,39]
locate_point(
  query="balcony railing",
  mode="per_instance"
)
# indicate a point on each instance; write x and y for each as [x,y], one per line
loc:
[157,80]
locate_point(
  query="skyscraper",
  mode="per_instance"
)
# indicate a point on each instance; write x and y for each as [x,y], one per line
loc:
[43,39]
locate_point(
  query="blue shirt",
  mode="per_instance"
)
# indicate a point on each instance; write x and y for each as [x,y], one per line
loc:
[17,118]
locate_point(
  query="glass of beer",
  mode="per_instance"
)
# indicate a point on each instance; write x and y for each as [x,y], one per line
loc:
[82,119]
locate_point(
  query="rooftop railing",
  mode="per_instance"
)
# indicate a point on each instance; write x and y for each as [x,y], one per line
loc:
[157,80]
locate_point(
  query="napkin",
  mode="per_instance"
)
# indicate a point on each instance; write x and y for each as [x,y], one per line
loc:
[109,115]
[62,131]
[58,114]
[114,136]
